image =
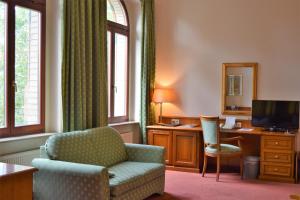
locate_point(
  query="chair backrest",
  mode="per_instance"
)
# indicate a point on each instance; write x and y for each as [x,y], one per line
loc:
[99,146]
[211,132]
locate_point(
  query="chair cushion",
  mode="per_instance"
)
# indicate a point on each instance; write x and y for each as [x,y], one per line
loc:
[130,175]
[225,148]
[99,146]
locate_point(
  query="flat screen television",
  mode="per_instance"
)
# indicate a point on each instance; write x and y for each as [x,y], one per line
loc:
[275,115]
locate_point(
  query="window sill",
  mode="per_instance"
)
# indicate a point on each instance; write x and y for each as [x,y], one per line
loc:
[43,135]
[123,123]
[25,137]
[22,143]
[29,142]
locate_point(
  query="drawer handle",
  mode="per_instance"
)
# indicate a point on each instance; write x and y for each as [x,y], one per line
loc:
[276,157]
[276,143]
[275,170]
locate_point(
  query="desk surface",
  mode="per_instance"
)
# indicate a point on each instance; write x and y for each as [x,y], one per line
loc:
[175,128]
[248,131]
[11,169]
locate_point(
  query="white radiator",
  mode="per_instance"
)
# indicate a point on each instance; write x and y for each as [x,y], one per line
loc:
[23,158]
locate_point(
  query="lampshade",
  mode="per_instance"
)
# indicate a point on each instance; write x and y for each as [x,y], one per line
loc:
[163,95]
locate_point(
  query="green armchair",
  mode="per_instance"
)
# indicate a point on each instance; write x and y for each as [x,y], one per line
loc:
[96,164]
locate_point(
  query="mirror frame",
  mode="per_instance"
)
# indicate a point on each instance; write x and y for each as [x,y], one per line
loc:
[254,67]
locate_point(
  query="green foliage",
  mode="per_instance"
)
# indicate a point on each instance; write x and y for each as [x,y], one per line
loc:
[21,61]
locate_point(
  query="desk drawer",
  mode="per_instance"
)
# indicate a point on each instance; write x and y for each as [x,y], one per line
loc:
[278,170]
[277,142]
[277,157]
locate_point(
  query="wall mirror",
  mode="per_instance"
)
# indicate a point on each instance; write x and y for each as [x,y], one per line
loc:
[238,88]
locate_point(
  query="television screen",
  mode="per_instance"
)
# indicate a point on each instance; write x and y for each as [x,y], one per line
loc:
[277,114]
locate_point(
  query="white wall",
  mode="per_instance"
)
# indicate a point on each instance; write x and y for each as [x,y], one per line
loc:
[53,66]
[134,12]
[194,38]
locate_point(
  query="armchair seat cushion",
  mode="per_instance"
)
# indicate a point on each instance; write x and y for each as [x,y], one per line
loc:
[131,175]
[225,148]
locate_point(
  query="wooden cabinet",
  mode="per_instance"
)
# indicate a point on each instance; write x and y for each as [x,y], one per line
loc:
[16,182]
[185,149]
[164,139]
[277,158]
[182,147]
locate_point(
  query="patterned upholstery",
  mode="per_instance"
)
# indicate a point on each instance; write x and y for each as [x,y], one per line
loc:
[92,146]
[130,175]
[143,153]
[210,130]
[68,181]
[155,186]
[96,164]
[224,148]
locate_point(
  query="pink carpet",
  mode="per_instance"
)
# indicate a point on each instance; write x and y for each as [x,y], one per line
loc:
[190,186]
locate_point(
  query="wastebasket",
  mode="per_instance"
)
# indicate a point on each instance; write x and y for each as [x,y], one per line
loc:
[251,167]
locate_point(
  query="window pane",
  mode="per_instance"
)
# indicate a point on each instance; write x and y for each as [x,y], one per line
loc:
[3,22]
[116,12]
[109,69]
[27,67]
[120,83]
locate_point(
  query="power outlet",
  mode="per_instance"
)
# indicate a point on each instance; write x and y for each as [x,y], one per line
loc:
[238,125]
[175,122]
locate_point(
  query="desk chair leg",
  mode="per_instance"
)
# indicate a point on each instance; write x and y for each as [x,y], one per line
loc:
[241,166]
[218,167]
[204,165]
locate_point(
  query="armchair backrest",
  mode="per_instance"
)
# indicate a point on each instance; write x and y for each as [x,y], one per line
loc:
[210,128]
[99,146]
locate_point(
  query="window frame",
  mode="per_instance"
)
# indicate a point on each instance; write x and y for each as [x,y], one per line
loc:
[11,130]
[115,28]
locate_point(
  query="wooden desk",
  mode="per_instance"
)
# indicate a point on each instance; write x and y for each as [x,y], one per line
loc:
[184,149]
[277,154]
[16,182]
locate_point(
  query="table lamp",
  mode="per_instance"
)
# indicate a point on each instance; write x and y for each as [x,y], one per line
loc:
[162,96]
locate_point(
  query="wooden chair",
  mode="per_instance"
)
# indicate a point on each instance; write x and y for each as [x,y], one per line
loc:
[213,146]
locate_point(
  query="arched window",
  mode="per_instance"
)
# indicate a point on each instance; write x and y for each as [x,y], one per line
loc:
[116,12]
[117,55]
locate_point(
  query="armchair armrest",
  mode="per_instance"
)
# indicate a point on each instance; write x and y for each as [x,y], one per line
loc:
[145,153]
[43,152]
[232,139]
[66,180]
[237,138]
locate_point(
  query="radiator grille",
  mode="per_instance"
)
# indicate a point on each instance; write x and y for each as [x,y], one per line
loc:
[23,158]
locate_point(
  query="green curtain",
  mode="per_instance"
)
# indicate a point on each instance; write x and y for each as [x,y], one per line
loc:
[84,67]
[148,66]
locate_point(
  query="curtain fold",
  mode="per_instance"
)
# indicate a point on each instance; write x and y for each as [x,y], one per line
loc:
[148,66]
[84,67]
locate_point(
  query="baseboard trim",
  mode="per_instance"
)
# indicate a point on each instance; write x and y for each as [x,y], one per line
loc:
[182,169]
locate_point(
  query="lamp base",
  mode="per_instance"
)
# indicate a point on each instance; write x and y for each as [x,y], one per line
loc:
[160,113]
